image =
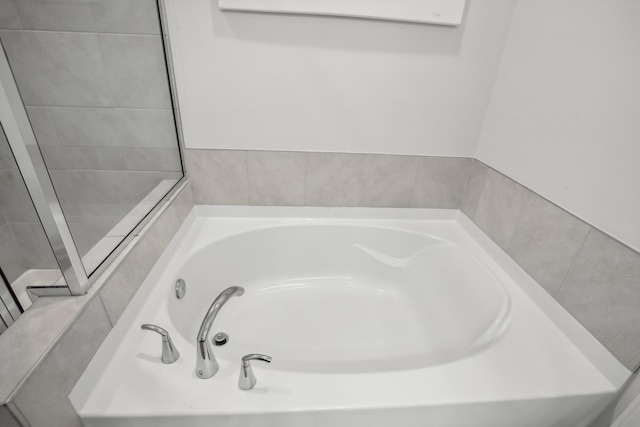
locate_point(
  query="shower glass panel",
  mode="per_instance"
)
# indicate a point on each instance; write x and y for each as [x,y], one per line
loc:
[93,79]
[26,257]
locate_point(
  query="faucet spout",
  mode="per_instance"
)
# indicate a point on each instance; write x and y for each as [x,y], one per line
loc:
[206,363]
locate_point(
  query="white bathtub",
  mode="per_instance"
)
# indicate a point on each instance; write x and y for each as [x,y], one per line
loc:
[373,318]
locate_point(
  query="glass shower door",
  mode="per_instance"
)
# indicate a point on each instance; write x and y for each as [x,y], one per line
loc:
[93,80]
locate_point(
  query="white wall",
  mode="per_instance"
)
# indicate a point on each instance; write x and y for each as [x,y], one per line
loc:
[278,82]
[564,117]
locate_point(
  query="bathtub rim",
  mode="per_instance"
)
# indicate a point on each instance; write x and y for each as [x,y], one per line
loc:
[611,369]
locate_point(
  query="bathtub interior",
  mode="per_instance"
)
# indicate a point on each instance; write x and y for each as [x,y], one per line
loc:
[420,300]
[537,366]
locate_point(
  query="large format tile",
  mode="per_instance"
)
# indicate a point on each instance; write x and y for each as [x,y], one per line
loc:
[124,283]
[126,16]
[388,181]
[602,291]
[114,127]
[334,179]
[12,261]
[16,201]
[219,176]
[136,70]
[440,182]
[43,398]
[93,158]
[57,69]
[473,189]
[55,15]
[499,207]
[153,159]
[276,178]
[42,125]
[545,242]
[6,418]
[9,18]
[32,242]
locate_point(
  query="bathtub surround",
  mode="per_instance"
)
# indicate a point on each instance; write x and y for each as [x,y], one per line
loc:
[48,348]
[592,275]
[280,178]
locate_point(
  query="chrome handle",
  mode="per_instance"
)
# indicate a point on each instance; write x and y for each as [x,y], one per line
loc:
[169,351]
[247,379]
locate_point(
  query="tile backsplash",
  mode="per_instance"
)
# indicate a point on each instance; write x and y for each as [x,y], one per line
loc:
[326,179]
[593,276]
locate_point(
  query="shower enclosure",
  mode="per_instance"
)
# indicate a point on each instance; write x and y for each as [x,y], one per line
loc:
[90,140]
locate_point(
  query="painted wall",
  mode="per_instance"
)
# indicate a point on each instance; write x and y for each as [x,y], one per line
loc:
[302,83]
[564,117]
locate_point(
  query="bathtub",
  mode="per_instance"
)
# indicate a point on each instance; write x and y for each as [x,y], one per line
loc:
[372,317]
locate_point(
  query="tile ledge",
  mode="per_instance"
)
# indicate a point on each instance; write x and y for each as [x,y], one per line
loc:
[59,314]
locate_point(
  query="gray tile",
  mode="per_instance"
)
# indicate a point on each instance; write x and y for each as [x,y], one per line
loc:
[440,182]
[26,243]
[55,15]
[46,258]
[114,127]
[86,126]
[125,282]
[9,19]
[6,418]
[54,156]
[15,199]
[42,126]
[334,179]
[126,16]
[57,69]
[87,235]
[473,190]
[276,178]
[6,156]
[388,181]
[105,186]
[94,158]
[184,203]
[499,207]
[545,242]
[602,291]
[218,176]
[51,383]
[153,128]
[12,261]
[137,71]
[96,212]
[153,159]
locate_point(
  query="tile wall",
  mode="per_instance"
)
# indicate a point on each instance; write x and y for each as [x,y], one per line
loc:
[23,243]
[35,392]
[325,179]
[595,278]
[93,80]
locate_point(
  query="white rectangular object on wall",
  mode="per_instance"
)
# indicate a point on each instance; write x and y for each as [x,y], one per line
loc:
[441,12]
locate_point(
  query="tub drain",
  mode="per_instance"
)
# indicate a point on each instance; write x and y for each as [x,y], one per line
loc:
[220,339]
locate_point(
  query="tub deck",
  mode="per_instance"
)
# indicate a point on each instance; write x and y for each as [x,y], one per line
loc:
[543,369]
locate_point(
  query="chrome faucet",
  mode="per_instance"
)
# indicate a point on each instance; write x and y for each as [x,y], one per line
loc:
[206,363]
